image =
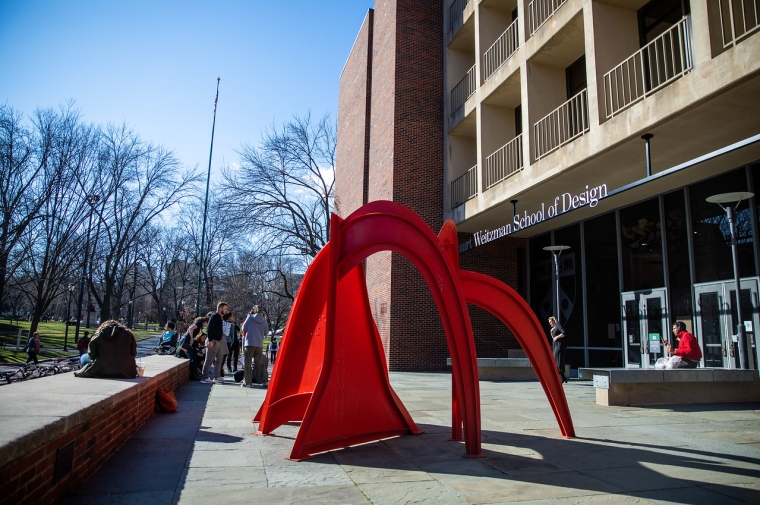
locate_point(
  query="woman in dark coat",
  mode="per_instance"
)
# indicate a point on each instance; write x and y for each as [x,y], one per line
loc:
[112,351]
[559,346]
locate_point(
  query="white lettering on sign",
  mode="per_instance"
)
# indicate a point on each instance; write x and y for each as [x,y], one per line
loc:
[562,203]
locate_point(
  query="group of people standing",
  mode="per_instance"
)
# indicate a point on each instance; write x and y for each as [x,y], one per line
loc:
[221,342]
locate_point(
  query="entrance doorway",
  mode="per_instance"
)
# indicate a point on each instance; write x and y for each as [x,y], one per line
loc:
[645,325]
[716,320]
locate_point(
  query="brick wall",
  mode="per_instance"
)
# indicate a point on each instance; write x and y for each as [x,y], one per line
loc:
[380,151]
[417,338]
[30,478]
[404,163]
[352,155]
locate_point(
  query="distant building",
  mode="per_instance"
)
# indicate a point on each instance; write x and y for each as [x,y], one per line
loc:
[522,120]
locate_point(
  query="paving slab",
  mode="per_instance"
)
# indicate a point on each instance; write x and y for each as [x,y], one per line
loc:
[208,452]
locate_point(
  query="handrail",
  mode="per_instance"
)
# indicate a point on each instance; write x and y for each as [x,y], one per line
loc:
[541,11]
[465,187]
[652,67]
[561,126]
[742,19]
[463,90]
[501,50]
[456,9]
[506,161]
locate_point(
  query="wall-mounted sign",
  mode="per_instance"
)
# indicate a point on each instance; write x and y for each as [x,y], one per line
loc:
[654,343]
[562,203]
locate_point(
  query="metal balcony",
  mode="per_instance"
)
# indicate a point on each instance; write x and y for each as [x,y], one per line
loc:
[501,50]
[561,126]
[540,11]
[649,69]
[463,90]
[738,20]
[503,163]
[465,187]
[456,9]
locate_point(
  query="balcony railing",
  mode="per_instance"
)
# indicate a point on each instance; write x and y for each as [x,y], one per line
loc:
[652,67]
[455,12]
[501,50]
[564,124]
[540,11]
[506,161]
[465,187]
[463,90]
[738,20]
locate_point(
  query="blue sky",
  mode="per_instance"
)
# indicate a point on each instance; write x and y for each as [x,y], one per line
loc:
[154,64]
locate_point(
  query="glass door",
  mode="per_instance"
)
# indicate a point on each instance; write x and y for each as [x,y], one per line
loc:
[717,320]
[645,325]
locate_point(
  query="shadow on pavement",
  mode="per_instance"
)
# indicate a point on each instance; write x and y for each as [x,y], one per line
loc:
[678,475]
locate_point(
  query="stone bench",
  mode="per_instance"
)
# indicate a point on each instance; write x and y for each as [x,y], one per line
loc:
[57,430]
[499,369]
[621,386]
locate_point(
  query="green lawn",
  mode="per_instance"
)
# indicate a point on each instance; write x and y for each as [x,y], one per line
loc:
[51,336]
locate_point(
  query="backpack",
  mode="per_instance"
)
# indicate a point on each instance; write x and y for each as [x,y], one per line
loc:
[165,401]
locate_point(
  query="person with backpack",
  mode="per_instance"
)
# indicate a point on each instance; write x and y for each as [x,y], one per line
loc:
[272,349]
[82,343]
[33,348]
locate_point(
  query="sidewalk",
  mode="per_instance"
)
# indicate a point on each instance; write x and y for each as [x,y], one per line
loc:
[206,454]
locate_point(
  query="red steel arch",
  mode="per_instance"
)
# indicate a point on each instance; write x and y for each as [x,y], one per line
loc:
[331,372]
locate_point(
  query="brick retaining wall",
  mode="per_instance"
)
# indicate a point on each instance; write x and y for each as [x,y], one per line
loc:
[98,415]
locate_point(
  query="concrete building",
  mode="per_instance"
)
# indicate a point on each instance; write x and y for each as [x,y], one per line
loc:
[522,120]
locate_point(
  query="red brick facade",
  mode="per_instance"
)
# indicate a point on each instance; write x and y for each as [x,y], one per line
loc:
[30,479]
[399,54]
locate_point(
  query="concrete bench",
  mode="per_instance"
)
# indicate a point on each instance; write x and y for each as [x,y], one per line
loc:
[621,386]
[499,369]
[57,430]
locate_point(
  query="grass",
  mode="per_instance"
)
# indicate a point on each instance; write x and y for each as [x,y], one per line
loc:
[52,337]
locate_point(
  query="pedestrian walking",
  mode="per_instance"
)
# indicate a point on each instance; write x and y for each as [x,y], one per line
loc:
[559,346]
[216,347]
[255,329]
[272,350]
[33,348]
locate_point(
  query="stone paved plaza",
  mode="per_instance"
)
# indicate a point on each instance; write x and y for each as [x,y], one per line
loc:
[207,454]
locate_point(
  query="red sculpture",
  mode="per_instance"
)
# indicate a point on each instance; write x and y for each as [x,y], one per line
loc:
[330,372]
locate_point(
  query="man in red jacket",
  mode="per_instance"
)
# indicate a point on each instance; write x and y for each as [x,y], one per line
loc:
[688,347]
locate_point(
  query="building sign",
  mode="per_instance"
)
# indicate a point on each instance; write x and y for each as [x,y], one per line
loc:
[654,343]
[561,204]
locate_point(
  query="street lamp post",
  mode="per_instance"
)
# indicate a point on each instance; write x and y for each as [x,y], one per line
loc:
[91,199]
[556,250]
[68,317]
[730,198]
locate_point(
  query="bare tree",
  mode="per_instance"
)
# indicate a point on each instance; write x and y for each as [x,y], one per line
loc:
[284,187]
[137,182]
[24,154]
[51,250]
[219,243]
[159,253]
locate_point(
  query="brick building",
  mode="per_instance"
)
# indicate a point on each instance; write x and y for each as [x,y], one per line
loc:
[599,124]
[391,147]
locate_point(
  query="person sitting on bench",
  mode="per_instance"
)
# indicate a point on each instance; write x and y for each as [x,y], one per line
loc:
[112,351]
[688,347]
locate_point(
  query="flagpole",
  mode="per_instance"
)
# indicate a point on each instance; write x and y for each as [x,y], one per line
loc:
[205,207]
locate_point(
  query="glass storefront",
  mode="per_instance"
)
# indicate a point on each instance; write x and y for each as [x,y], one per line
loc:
[631,272]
